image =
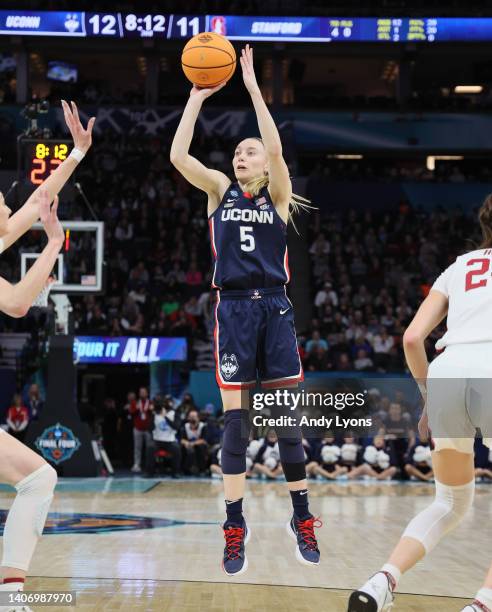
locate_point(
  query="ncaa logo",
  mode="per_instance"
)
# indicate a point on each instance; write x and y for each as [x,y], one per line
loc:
[228,365]
[57,443]
[234,193]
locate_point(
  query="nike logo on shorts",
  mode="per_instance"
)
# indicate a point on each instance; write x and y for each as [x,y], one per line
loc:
[303,493]
[283,311]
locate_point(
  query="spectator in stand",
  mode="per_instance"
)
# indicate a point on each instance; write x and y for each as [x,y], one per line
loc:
[166,424]
[325,296]
[141,410]
[360,344]
[363,363]
[383,343]
[318,360]
[343,363]
[17,418]
[326,462]
[378,461]
[267,460]
[316,341]
[176,274]
[34,403]
[419,463]
[129,313]
[96,321]
[193,441]
[399,434]
[320,247]
[194,277]
[124,232]
[187,403]
[192,309]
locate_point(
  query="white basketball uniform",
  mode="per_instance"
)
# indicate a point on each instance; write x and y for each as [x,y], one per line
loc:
[459,385]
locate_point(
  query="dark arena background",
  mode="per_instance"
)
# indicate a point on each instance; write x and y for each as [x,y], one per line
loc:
[384,112]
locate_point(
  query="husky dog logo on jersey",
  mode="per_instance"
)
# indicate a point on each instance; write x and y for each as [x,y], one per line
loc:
[229,365]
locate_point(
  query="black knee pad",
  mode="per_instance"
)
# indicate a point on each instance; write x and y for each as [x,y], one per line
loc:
[235,441]
[292,458]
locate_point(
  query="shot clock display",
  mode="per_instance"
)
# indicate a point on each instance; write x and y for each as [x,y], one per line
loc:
[41,158]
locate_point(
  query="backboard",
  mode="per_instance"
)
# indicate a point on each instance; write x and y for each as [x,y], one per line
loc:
[79,268]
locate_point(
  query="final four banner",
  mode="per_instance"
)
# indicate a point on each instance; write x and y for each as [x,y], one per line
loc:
[121,350]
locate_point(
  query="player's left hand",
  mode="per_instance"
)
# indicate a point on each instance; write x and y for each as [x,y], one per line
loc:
[249,76]
[82,139]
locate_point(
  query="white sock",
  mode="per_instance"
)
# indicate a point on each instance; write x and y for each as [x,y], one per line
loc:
[484,596]
[394,572]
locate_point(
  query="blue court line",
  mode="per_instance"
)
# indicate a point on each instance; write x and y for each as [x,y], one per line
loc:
[100,485]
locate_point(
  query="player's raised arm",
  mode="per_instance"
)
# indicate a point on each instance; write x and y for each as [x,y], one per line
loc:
[15,300]
[26,216]
[213,182]
[280,186]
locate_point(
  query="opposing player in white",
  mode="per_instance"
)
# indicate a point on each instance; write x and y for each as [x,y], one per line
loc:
[33,478]
[456,386]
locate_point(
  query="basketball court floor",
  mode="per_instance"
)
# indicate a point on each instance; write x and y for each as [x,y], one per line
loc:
[139,544]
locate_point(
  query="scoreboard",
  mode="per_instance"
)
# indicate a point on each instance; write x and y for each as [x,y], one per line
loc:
[40,157]
[302,29]
[103,25]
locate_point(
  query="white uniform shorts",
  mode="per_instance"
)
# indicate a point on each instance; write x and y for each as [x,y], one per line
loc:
[459,396]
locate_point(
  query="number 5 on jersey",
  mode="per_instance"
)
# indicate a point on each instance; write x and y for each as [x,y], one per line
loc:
[246,237]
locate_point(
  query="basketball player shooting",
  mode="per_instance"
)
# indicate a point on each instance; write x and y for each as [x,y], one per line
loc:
[456,387]
[33,478]
[254,319]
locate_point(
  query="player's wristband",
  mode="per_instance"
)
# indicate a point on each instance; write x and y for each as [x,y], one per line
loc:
[423,390]
[77,154]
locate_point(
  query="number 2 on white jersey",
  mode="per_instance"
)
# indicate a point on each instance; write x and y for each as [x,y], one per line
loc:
[483,267]
[247,238]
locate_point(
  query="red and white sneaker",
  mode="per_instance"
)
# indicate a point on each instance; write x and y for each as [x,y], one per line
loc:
[307,551]
[234,561]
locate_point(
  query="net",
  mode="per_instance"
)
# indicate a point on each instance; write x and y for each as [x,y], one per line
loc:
[41,300]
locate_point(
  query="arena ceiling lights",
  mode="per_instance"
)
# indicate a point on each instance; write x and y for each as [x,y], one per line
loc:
[468,89]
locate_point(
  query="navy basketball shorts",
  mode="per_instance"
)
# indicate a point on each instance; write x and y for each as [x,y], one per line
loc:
[255,338]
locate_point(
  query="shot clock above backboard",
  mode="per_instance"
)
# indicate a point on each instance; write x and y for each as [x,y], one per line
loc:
[40,157]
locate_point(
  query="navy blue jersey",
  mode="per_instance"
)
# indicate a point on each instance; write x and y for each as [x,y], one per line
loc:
[249,242]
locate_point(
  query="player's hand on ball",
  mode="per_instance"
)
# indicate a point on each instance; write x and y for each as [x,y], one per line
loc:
[249,76]
[82,139]
[205,92]
[49,217]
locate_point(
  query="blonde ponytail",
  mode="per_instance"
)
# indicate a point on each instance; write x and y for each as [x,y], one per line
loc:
[296,204]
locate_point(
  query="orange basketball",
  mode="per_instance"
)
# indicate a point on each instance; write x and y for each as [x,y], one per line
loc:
[208,59]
